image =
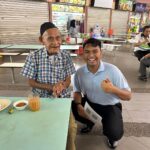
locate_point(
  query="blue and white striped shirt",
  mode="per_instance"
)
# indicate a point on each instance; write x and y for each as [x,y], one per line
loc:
[48,69]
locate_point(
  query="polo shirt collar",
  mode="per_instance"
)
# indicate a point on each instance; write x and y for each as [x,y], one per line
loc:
[100,69]
[45,54]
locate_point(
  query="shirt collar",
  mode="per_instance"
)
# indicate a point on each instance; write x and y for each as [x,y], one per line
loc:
[100,69]
[45,54]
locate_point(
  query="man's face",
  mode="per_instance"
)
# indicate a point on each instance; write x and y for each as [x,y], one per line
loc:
[147,32]
[51,38]
[92,55]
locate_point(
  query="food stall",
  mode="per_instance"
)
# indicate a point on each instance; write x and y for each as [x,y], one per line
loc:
[138,18]
[66,10]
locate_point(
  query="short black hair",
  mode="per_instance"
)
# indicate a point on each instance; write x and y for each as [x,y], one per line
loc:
[73,23]
[146,27]
[94,42]
[45,26]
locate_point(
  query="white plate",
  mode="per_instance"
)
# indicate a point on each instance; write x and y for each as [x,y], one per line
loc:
[4,103]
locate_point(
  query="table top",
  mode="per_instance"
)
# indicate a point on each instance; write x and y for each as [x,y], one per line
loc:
[4,45]
[8,54]
[108,39]
[30,47]
[70,47]
[41,130]
[34,47]
[107,44]
[12,65]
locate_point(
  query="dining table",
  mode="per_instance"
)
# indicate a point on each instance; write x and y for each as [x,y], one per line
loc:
[2,46]
[45,129]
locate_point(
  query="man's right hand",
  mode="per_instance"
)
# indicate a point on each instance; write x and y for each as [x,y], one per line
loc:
[81,111]
[58,88]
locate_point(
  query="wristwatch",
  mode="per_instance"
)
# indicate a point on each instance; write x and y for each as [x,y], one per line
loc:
[78,103]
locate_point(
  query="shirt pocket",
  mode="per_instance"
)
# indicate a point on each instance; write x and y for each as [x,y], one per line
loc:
[60,73]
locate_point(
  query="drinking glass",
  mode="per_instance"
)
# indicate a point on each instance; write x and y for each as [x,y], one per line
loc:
[34,102]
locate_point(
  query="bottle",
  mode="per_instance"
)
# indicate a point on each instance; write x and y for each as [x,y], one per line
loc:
[34,102]
[68,39]
[102,32]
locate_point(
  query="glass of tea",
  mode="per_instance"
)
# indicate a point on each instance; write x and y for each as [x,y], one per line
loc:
[34,102]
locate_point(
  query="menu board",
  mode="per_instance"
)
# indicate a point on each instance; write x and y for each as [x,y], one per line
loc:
[66,8]
[126,5]
[77,2]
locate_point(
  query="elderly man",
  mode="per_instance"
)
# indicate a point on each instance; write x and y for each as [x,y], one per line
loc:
[49,71]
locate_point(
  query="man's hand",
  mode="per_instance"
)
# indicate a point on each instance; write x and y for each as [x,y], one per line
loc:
[81,111]
[147,56]
[58,88]
[107,86]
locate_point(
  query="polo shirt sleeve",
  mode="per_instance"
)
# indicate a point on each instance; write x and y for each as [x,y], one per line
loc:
[119,80]
[29,70]
[76,84]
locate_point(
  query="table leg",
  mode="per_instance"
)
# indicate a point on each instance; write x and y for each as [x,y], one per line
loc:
[10,59]
[13,75]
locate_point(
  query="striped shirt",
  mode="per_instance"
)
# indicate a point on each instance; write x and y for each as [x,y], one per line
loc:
[47,69]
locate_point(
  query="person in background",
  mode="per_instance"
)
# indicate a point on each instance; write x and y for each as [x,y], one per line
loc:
[101,85]
[73,30]
[144,63]
[49,71]
[142,39]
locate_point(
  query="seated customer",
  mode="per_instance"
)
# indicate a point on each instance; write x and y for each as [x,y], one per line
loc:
[102,85]
[142,39]
[144,62]
[49,71]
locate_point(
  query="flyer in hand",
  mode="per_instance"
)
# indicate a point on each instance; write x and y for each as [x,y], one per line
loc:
[93,116]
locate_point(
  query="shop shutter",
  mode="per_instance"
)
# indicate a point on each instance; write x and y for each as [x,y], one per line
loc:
[98,16]
[20,21]
[119,21]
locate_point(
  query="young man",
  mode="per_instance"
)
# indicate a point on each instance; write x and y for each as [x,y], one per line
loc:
[144,63]
[49,70]
[102,86]
[142,39]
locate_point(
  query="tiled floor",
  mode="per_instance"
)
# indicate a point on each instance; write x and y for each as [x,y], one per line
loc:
[94,142]
[135,111]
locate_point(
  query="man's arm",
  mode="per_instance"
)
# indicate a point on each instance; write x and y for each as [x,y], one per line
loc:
[67,82]
[56,88]
[108,87]
[147,56]
[123,94]
[80,108]
[35,84]
[60,86]
[140,43]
